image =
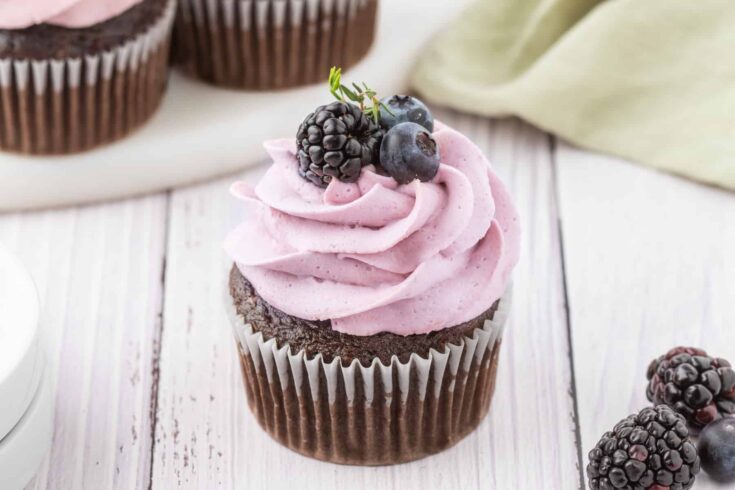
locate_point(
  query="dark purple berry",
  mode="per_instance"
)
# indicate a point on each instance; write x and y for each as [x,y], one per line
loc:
[659,454]
[404,108]
[717,449]
[409,152]
[335,142]
[697,386]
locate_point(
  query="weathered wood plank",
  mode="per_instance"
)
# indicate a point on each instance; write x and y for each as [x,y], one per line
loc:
[205,436]
[201,403]
[650,265]
[98,271]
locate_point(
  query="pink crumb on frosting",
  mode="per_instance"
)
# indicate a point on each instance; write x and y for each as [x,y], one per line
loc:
[19,14]
[376,256]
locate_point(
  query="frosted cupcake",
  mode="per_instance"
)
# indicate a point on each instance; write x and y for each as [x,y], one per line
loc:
[369,305]
[271,44]
[75,74]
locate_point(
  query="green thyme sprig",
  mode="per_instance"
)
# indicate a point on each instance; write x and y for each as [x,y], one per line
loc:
[360,95]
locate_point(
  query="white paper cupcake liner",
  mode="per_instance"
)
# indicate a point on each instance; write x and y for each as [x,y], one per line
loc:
[58,106]
[370,415]
[268,44]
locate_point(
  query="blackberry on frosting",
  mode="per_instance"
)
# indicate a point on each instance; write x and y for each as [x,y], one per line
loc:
[336,141]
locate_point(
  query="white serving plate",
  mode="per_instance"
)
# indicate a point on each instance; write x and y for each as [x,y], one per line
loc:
[203,131]
[23,450]
[20,353]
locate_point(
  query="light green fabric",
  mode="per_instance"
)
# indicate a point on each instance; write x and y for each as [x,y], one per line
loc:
[649,80]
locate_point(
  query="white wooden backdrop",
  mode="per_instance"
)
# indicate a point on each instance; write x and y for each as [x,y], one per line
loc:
[619,263]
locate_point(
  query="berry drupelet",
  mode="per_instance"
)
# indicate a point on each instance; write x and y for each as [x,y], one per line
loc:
[699,387]
[336,141]
[648,450]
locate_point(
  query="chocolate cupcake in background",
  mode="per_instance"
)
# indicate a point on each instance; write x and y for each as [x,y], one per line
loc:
[369,313]
[76,74]
[271,44]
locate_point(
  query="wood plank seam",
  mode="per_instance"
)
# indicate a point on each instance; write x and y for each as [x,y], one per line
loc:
[570,344]
[157,345]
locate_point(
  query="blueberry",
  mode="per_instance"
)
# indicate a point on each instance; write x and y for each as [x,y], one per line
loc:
[409,152]
[717,449]
[404,108]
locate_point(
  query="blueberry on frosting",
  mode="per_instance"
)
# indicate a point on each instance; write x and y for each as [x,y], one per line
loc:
[409,152]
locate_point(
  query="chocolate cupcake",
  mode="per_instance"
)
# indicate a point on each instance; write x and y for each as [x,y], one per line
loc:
[369,312]
[76,74]
[271,44]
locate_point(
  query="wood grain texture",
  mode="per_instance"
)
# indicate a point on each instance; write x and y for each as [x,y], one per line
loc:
[206,438]
[650,265]
[200,397]
[98,272]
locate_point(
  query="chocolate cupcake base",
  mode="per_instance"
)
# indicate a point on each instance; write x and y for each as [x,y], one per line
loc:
[67,105]
[378,414]
[271,44]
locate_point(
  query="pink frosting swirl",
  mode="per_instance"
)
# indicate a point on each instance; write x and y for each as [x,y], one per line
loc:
[19,14]
[376,256]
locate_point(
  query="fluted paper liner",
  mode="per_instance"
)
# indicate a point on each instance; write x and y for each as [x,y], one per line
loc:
[58,106]
[374,415]
[269,44]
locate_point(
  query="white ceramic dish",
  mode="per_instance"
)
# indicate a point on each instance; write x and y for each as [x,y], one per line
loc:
[23,450]
[203,131]
[20,353]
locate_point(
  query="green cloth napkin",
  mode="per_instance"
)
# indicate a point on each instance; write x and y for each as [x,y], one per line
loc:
[649,80]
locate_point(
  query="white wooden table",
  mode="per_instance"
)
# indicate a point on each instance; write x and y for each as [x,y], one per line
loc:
[619,263]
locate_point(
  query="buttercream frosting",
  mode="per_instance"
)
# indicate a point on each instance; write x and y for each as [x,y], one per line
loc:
[19,14]
[376,256]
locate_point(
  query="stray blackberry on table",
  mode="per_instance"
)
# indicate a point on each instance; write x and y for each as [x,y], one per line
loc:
[647,450]
[699,387]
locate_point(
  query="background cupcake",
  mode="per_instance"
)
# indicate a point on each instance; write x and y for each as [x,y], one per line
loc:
[270,44]
[75,74]
[369,305]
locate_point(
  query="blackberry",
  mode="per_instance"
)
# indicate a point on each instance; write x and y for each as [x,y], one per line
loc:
[648,450]
[336,141]
[699,387]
